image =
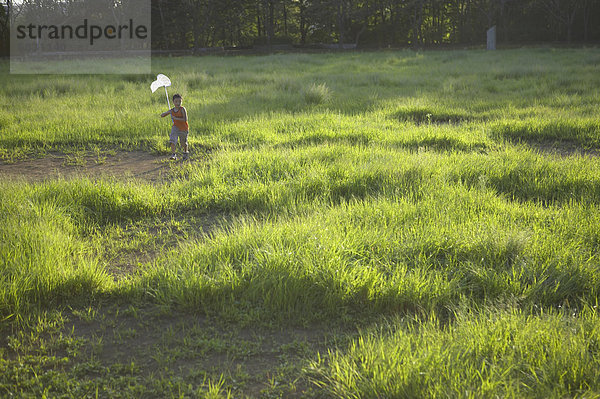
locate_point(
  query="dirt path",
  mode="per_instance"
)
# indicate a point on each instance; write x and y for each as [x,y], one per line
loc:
[141,165]
[123,164]
[255,361]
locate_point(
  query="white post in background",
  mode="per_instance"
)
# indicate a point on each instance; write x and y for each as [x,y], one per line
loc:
[491,38]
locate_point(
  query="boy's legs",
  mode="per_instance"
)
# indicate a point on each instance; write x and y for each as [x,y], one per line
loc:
[183,141]
[173,141]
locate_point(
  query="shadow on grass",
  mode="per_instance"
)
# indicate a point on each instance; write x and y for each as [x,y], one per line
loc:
[584,133]
[422,116]
[438,144]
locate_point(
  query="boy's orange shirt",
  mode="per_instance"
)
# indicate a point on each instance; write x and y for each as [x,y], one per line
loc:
[181,125]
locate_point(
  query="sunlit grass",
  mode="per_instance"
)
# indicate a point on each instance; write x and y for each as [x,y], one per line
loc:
[488,354]
[335,187]
[519,94]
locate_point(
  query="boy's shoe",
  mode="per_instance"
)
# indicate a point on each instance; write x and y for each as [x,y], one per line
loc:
[173,157]
[185,155]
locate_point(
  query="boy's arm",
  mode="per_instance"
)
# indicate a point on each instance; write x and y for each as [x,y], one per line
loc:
[165,113]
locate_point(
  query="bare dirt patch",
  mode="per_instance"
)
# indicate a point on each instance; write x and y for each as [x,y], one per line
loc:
[163,344]
[120,164]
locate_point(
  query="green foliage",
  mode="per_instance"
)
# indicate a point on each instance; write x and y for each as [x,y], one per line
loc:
[489,354]
[405,185]
[42,258]
[395,23]
[317,94]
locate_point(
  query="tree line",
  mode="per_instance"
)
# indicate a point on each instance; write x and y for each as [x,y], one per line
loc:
[201,24]
[189,24]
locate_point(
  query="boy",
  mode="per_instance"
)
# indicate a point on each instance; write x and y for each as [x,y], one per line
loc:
[180,127]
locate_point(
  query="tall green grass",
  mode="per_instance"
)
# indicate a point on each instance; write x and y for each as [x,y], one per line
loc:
[43,261]
[445,226]
[488,354]
[379,255]
[520,94]
[356,186]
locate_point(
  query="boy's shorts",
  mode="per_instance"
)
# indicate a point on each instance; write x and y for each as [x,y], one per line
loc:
[175,133]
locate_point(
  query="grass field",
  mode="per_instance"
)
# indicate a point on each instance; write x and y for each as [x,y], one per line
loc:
[355,225]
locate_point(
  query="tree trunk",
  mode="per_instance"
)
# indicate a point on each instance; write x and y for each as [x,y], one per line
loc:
[302,24]
[586,20]
[258,27]
[271,21]
[360,32]
[267,20]
[340,16]
[418,21]
[571,20]
[285,18]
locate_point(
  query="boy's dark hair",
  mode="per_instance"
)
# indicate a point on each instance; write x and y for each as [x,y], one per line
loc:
[177,96]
